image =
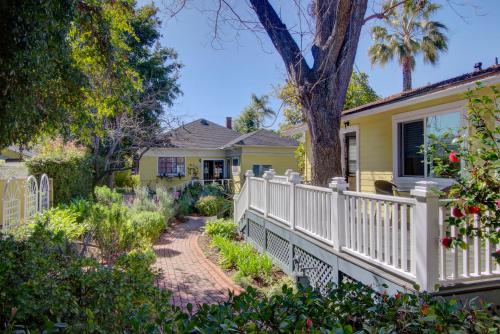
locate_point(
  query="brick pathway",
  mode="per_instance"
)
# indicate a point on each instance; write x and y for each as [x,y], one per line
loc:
[190,276]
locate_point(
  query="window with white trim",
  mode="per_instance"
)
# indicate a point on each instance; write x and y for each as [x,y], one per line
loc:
[171,166]
[414,134]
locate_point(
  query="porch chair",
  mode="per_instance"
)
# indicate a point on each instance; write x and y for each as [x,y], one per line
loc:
[383,187]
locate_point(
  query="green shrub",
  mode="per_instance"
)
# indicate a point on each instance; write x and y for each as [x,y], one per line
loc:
[165,203]
[70,167]
[125,179]
[113,231]
[147,226]
[243,257]
[184,206]
[222,227]
[46,287]
[66,220]
[210,205]
[107,196]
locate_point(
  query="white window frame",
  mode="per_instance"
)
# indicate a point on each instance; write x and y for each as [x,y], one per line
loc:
[170,174]
[343,132]
[224,167]
[408,182]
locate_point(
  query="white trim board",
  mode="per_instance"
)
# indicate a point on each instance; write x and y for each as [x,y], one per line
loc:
[343,132]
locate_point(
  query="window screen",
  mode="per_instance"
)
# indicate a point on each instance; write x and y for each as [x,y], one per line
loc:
[412,139]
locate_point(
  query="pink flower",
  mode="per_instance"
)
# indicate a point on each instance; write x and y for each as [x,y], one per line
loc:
[457,213]
[498,203]
[453,157]
[309,323]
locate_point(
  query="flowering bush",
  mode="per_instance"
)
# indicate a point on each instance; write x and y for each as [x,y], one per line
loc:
[473,161]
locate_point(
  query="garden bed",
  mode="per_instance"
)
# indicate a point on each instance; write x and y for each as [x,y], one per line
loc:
[266,283]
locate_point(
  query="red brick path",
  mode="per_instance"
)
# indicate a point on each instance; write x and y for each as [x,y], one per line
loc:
[190,276]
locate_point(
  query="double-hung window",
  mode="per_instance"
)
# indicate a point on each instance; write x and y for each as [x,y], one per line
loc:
[416,134]
[171,166]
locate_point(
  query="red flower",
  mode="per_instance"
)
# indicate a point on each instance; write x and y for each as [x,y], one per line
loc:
[498,203]
[473,210]
[453,157]
[446,242]
[457,213]
[309,323]
[397,295]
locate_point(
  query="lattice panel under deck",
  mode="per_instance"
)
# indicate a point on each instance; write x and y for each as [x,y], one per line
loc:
[320,274]
[278,248]
[256,233]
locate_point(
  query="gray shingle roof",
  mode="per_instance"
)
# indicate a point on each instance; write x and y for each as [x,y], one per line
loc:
[201,134]
[262,137]
[209,135]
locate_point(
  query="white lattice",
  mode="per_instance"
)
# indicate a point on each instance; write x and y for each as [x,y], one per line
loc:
[30,198]
[44,195]
[278,248]
[256,233]
[11,205]
[320,274]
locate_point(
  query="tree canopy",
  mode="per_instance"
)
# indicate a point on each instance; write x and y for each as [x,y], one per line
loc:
[253,116]
[407,32]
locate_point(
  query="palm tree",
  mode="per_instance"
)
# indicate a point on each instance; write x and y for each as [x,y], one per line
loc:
[253,116]
[408,31]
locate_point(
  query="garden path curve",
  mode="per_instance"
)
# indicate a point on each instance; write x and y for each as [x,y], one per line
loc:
[187,272]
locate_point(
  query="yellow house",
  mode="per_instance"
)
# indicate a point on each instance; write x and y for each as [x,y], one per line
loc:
[382,140]
[203,150]
[13,154]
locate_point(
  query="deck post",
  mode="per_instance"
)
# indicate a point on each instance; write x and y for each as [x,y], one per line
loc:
[268,175]
[338,186]
[425,236]
[248,175]
[288,172]
[293,178]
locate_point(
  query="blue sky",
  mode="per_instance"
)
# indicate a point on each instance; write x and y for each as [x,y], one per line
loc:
[218,81]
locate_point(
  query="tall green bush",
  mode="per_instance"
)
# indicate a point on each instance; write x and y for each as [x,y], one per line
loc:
[70,167]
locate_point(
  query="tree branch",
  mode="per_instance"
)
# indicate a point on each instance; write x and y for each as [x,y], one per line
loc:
[282,40]
[381,15]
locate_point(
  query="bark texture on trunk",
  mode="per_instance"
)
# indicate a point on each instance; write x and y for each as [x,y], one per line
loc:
[322,87]
[407,65]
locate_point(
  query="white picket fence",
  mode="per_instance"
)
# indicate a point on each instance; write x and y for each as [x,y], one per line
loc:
[22,199]
[401,235]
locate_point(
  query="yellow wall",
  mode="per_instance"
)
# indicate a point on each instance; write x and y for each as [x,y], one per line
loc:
[6,153]
[281,158]
[375,141]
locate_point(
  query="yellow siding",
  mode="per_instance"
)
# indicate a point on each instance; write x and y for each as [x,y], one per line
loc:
[6,153]
[308,158]
[280,158]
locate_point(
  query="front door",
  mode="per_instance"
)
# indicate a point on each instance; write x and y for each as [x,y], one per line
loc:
[213,169]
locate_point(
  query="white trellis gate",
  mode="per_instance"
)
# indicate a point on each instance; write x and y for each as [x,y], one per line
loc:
[44,194]
[30,198]
[11,215]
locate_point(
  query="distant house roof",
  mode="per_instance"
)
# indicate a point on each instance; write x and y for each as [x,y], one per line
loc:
[24,152]
[201,134]
[261,137]
[464,79]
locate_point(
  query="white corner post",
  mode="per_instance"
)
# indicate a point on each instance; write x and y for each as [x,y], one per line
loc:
[248,175]
[338,186]
[288,172]
[425,234]
[294,179]
[268,175]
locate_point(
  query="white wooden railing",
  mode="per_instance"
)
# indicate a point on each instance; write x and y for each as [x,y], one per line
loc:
[401,235]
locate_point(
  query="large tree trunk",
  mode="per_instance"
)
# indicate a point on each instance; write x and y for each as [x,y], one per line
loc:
[407,62]
[322,87]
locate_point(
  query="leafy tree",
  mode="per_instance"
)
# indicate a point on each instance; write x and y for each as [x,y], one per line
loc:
[39,82]
[408,31]
[252,117]
[359,91]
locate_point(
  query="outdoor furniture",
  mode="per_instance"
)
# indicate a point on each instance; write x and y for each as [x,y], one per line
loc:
[383,187]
